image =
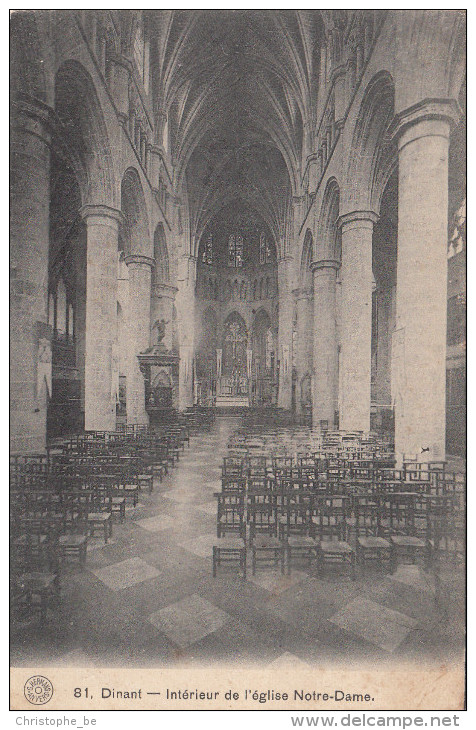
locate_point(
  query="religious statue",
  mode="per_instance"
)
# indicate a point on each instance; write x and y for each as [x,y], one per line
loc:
[159,324]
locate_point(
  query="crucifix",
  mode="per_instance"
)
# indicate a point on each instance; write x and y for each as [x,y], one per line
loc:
[235,338]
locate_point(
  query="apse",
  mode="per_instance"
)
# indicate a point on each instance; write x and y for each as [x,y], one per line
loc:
[236,279]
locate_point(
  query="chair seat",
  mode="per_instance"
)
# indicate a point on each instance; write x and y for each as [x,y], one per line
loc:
[301,541]
[407,541]
[99,516]
[72,540]
[36,581]
[337,546]
[373,542]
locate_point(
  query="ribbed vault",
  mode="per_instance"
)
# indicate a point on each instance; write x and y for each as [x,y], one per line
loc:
[236,88]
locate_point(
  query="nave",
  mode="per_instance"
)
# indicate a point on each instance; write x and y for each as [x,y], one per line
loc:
[149,597]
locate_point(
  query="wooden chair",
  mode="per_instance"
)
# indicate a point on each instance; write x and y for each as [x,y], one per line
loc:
[267,550]
[97,519]
[408,549]
[374,550]
[73,543]
[230,513]
[262,512]
[336,554]
[364,516]
[300,548]
[230,551]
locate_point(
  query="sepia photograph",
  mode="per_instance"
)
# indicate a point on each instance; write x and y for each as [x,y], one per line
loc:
[237,359]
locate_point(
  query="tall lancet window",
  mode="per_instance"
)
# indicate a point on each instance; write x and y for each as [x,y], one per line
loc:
[265,251]
[262,248]
[235,251]
[207,253]
[141,52]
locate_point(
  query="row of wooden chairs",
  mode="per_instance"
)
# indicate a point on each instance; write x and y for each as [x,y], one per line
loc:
[267,552]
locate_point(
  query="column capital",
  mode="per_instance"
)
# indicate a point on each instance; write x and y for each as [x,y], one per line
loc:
[427,110]
[139,260]
[303,294]
[358,216]
[324,264]
[101,211]
[167,291]
[37,118]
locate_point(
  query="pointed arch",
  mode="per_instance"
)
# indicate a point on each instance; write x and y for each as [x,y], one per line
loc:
[307,257]
[328,244]
[161,272]
[81,133]
[135,230]
[372,149]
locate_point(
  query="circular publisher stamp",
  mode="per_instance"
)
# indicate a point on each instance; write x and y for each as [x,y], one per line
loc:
[38,690]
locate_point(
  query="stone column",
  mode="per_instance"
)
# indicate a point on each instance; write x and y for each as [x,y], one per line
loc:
[30,337]
[385,327]
[162,304]
[185,303]
[285,333]
[419,341]
[304,304]
[139,268]
[325,357]
[356,323]
[102,226]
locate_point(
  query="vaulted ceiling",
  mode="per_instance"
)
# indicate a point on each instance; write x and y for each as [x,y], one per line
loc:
[239,89]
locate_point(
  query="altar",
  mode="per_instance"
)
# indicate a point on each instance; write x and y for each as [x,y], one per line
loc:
[233,392]
[233,366]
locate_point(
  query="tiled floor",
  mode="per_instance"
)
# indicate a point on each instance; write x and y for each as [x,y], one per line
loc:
[149,598]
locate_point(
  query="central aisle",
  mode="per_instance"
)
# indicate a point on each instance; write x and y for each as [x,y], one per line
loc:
[149,598]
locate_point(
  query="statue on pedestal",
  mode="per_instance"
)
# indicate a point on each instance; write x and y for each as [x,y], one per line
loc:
[159,325]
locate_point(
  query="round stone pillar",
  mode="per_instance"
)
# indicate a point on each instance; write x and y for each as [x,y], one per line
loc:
[304,306]
[139,268]
[102,230]
[419,340]
[356,319]
[30,337]
[185,304]
[325,357]
[285,333]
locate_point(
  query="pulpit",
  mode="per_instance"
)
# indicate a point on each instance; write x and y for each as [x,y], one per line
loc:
[160,368]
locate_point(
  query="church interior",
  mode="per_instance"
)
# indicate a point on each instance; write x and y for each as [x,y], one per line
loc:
[237,343]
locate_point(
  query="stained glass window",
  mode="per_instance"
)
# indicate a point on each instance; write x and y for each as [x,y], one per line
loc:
[265,249]
[235,251]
